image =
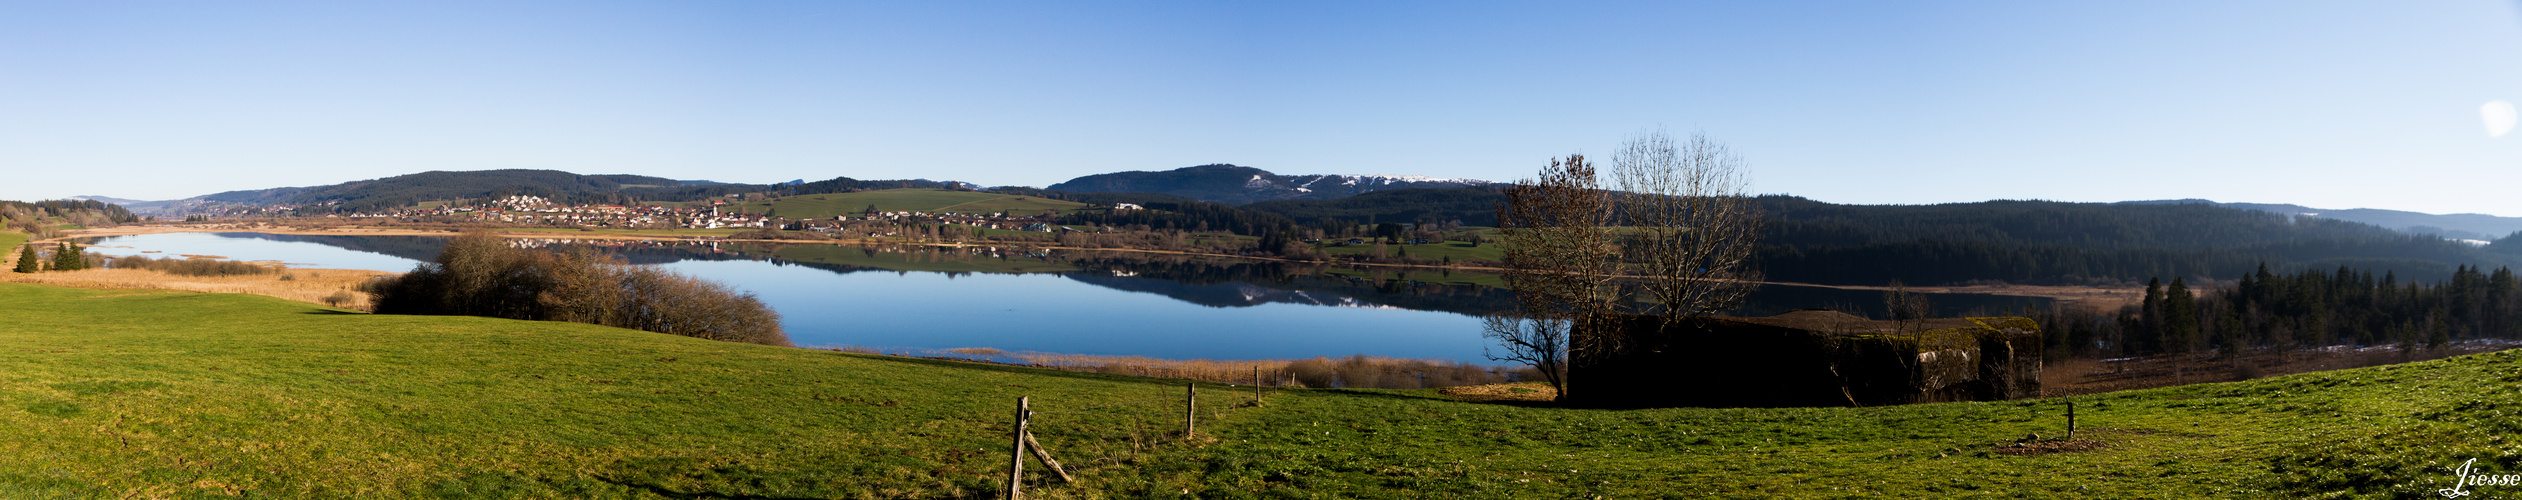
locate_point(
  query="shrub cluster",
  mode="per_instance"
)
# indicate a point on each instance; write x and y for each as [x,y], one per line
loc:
[191,267]
[479,274]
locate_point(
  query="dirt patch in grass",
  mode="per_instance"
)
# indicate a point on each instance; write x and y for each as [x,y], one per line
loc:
[1519,391]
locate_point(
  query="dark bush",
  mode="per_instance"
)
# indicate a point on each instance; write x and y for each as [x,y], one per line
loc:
[478,274]
[191,267]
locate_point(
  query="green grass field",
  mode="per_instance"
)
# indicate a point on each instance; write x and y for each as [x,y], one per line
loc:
[1432,251]
[918,200]
[143,394]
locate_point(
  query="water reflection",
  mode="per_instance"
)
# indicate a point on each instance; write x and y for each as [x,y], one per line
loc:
[1012,298]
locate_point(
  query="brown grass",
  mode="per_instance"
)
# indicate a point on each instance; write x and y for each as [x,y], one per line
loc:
[1348,372]
[1272,371]
[305,285]
[2088,376]
[977,351]
[1517,391]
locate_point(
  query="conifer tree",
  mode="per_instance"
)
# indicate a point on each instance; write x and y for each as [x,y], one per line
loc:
[69,258]
[2180,318]
[28,262]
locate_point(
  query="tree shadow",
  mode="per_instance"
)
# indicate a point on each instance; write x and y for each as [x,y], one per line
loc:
[333,312]
[698,495]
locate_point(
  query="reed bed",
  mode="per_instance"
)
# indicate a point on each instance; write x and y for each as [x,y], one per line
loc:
[1357,371]
[336,287]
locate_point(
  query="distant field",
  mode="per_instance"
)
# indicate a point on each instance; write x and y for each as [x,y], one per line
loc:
[916,261]
[917,200]
[147,394]
[684,232]
[9,243]
[1432,251]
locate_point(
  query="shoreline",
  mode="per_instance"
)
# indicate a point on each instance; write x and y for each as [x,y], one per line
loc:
[2100,298]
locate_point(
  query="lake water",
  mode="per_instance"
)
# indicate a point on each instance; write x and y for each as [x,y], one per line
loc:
[925,300]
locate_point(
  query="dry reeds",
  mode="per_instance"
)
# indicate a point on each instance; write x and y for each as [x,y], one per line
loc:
[1357,371]
[311,286]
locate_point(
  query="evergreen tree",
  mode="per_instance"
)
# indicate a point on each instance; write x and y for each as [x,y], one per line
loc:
[28,262]
[2180,318]
[2149,332]
[69,258]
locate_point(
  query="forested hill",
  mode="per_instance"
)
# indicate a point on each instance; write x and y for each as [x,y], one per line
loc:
[402,191]
[40,216]
[1474,206]
[2054,242]
[1221,183]
[2012,241]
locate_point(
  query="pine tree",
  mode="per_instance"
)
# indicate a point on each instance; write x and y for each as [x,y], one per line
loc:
[28,262]
[69,258]
[2149,334]
[2180,318]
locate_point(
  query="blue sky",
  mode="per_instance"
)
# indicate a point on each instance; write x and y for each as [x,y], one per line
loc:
[2326,104]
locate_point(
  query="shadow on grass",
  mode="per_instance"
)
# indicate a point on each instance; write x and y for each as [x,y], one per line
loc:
[683,495]
[1028,370]
[332,312]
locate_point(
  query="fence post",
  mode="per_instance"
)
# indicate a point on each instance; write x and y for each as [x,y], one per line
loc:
[1190,401]
[2070,419]
[1047,461]
[1256,385]
[1016,457]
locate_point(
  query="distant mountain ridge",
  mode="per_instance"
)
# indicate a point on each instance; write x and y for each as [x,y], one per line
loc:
[389,193]
[1232,184]
[2480,227]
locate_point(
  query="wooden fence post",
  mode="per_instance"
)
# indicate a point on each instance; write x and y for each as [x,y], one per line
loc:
[1045,455]
[1256,385]
[2070,419]
[1016,457]
[1190,417]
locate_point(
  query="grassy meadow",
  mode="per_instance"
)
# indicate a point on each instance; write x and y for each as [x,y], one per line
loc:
[158,394]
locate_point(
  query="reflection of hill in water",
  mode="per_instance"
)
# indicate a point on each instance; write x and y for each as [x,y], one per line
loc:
[420,248]
[1208,282]
[1772,300]
[1304,290]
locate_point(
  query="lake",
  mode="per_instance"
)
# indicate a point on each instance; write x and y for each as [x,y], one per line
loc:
[925,300]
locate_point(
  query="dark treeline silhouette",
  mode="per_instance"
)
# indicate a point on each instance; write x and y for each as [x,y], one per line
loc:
[479,274]
[2266,310]
[2077,243]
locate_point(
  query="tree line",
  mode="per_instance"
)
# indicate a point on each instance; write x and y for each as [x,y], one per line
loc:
[2268,310]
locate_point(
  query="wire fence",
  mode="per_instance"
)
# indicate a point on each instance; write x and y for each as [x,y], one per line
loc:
[1112,433]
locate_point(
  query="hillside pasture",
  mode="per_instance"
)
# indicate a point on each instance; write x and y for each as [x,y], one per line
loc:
[915,200]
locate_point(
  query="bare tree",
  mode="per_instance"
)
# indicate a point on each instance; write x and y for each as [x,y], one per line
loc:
[1558,256]
[1538,342]
[1693,227]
